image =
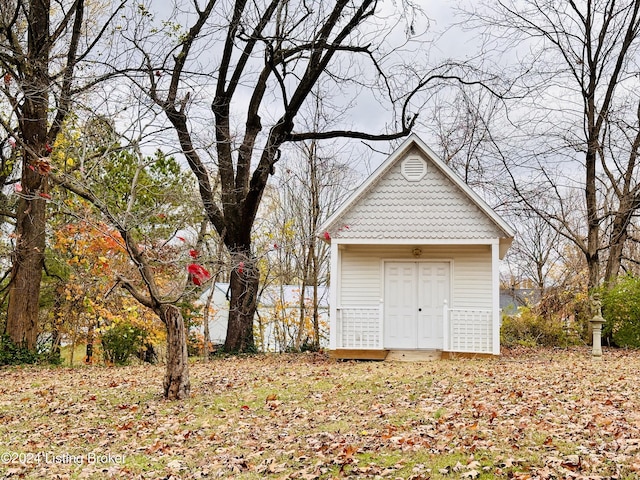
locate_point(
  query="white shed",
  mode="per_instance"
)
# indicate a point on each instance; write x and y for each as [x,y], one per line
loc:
[415,262]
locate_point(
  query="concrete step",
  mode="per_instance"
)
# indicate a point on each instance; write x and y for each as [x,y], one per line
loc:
[413,355]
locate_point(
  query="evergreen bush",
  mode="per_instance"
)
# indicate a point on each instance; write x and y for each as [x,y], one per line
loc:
[12,354]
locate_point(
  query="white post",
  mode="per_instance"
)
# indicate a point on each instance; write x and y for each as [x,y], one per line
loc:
[445,327]
[333,296]
[381,325]
[495,304]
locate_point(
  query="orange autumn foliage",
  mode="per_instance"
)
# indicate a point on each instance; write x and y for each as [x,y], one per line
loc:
[92,255]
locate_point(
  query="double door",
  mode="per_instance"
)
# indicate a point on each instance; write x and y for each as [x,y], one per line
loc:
[414,295]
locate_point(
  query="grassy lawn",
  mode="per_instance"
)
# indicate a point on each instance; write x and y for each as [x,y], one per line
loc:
[535,414]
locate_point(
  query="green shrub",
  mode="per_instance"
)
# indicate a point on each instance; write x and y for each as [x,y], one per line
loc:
[121,340]
[529,329]
[621,310]
[12,354]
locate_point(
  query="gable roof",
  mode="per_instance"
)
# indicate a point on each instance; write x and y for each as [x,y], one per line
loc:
[439,206]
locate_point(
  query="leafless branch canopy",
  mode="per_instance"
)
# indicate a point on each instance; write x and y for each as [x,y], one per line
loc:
[262,65]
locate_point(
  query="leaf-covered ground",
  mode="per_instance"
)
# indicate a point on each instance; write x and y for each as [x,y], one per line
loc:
[540,414]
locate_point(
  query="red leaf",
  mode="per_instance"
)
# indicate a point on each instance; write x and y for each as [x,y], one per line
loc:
[45,195]
[198,273]
[181,239]
[327,236]
[48,148]
[240,268]
[42,166]
[12,142]
[193,253]
[17,187]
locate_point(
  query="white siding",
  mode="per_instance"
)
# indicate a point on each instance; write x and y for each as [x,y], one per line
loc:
[472,277]
[362,277]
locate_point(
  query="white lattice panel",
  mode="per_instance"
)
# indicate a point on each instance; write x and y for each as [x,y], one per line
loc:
[359,327]
[470,330]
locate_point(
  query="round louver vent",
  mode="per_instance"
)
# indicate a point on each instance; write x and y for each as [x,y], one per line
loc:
[414,168]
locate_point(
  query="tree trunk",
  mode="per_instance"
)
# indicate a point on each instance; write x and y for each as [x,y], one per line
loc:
[243,284]
[593,220]
[55,353]
[205,322]
[89,349]
[176,380]
[28,258]
[28,261]
[302,317]
[619,235]
[313,255]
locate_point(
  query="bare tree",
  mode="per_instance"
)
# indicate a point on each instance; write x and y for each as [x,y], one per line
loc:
[312,184]
[535,254]
[620,165]
[325,180]
[320,195]
[467,128]
[41,48]
[582,64]
[264,61]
